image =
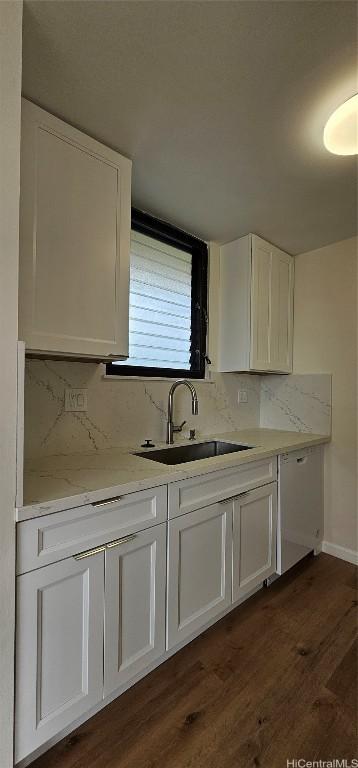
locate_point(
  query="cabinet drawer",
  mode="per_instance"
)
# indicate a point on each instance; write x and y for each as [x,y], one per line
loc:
[187,495]
[50,538]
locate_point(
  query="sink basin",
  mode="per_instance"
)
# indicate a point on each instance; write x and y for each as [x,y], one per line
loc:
[182,453]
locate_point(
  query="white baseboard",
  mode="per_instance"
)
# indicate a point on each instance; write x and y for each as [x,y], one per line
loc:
[342,552]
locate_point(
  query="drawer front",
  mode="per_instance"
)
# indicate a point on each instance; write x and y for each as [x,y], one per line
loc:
[187,495]
[50,538]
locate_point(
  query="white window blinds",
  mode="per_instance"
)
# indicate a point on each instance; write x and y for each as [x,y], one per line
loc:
[160,305]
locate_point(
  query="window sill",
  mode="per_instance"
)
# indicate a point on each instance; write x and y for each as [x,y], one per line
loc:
[115,377]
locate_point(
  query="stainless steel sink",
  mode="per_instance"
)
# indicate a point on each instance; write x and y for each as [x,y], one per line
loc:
[182,453]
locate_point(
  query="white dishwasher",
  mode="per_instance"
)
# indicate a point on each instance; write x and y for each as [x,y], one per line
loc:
[300,505]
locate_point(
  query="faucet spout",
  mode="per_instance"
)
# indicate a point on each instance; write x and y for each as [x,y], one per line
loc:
[195,405]
[171,428]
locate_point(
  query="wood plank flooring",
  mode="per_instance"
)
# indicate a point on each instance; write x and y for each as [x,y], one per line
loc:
[274,680]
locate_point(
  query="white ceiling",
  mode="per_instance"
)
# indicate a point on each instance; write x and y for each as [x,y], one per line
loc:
[221,106]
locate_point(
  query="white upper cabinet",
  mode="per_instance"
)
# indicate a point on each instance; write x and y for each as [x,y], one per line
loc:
[74,241]
[255,307]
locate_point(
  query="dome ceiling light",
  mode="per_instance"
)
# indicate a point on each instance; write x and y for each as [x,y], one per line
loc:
[340,135]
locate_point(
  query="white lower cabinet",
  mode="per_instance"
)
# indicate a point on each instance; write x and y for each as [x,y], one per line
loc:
[134,605]
[85,627]
[254,539]
[59,670]
[93,622]
[199,570]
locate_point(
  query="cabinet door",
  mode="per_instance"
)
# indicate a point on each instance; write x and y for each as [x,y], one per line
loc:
[261,278]
[199,573]
[281,311]
[134,605]
[59,659]
[254,538]
[74,240]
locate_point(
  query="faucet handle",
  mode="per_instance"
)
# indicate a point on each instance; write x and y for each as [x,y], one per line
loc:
[179,427]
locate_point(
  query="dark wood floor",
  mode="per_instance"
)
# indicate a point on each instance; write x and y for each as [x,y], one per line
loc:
[274,680]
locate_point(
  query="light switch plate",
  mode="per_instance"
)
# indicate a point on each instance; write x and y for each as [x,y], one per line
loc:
[76,399]
[242,396]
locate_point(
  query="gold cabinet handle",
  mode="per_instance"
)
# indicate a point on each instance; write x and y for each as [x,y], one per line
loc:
[107,501]
[103,547]
[234,498]
[118,542]
[89,552]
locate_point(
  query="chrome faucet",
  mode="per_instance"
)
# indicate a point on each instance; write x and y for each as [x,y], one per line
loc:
[171,428]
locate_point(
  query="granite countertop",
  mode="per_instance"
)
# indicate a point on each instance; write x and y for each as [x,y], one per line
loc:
[61,482]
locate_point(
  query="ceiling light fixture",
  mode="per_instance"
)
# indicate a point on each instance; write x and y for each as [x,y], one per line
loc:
[340,135]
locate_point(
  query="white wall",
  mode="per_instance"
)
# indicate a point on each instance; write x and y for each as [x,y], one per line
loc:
[10,89]
[325,340]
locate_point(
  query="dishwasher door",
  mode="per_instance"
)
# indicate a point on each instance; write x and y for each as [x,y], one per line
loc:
[300,508]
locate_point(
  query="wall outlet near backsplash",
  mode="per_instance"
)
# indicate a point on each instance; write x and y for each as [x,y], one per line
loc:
[76,400]
[242,396]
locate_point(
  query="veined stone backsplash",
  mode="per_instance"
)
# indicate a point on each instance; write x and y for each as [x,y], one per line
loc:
[124,412]
[300,402]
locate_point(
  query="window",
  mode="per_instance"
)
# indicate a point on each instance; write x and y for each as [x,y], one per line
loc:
[167,304]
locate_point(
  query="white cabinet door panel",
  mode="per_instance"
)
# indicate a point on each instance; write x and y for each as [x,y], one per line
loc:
[281,311]
[254,538]
[199,578]
[255,275]
[74,240]
[59,671]
[134,606]
[84,196]
[260,305]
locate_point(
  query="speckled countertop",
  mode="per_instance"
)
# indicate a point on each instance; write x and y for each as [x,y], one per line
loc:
[61,482]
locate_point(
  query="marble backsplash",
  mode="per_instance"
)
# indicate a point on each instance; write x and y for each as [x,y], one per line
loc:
[300,402]
[126,411]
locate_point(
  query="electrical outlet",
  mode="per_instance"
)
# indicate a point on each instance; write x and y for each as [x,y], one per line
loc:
[76,399]
[242,396]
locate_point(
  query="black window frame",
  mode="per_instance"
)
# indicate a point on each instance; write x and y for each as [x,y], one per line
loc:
[167,233]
